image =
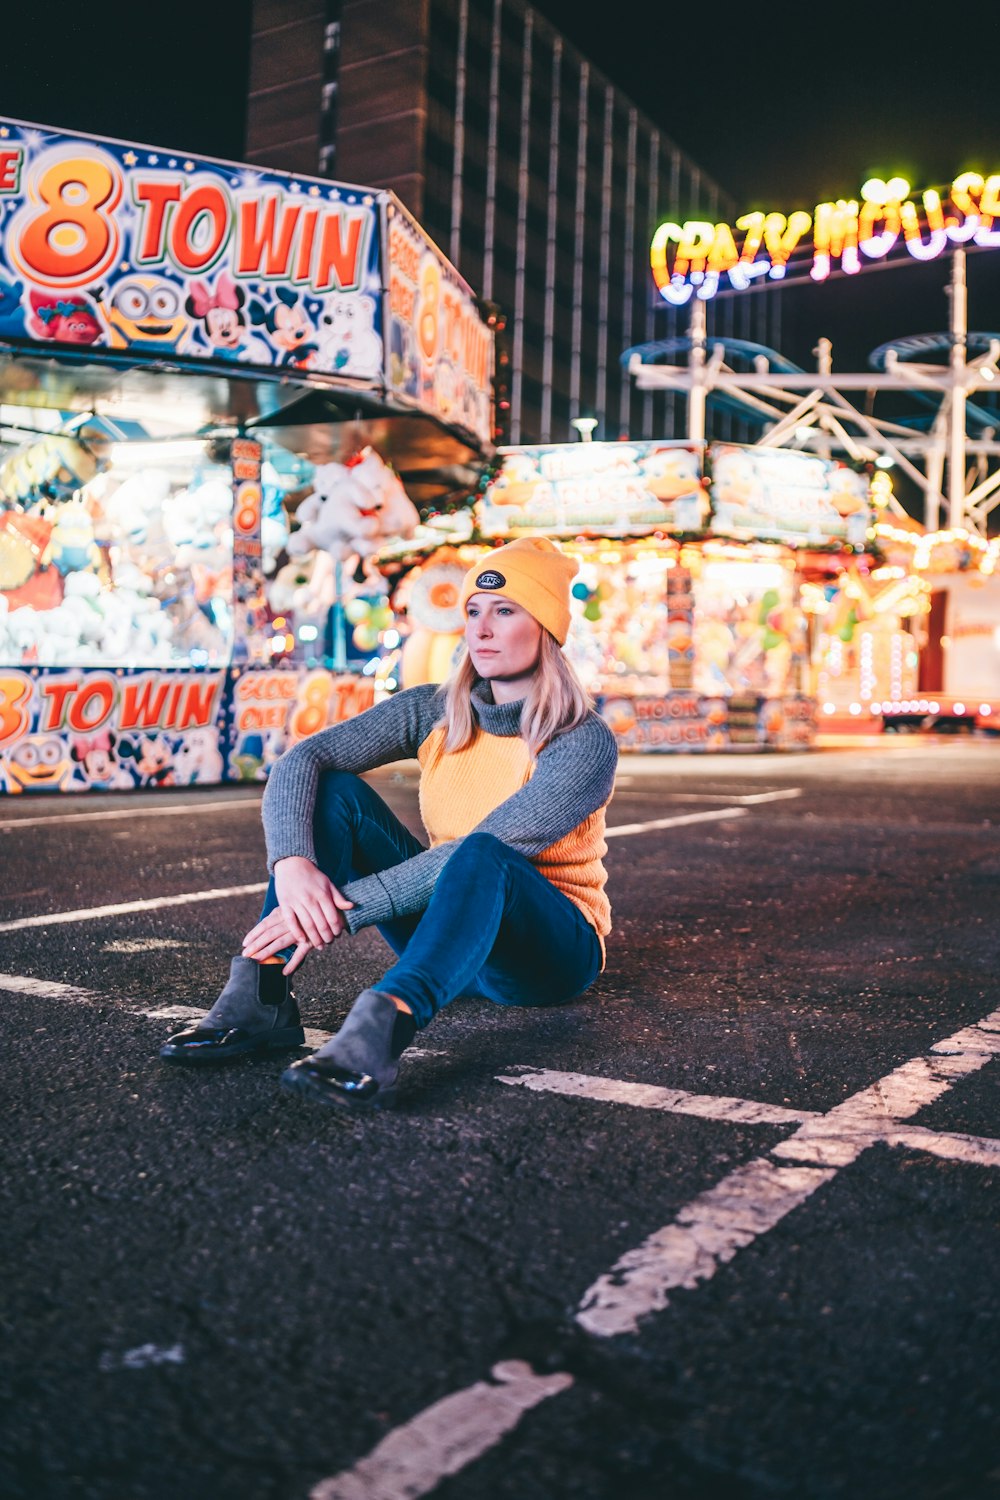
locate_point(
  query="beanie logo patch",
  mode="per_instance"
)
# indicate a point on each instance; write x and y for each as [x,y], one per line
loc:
[490,580]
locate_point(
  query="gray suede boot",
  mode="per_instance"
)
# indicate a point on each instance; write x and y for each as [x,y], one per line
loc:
[241,1023]
[358,1067]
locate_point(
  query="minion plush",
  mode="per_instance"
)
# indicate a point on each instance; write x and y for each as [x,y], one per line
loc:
[146,312]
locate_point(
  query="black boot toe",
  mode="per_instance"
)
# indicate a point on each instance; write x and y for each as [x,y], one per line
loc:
[216,1044]
[323,1079]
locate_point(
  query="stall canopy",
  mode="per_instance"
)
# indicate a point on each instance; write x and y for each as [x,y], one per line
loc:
[242,297]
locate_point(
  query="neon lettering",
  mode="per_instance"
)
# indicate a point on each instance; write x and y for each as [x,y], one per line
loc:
[698,256]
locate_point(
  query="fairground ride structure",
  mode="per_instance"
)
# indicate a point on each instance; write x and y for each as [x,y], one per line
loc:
[948,448]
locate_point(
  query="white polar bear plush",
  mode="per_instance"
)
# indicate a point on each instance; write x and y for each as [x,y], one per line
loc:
[197,758]
[348,343]
[353,509]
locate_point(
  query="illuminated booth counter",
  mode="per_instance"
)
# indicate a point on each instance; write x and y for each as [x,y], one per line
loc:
[687,623]
[192,354]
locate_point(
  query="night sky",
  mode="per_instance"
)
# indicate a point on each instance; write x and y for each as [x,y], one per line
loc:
[783,106]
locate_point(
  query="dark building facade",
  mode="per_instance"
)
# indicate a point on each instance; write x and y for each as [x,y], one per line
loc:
[532,171]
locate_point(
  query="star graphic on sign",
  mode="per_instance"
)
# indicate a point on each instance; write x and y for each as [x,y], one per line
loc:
[124,266]
[189,166]
[130,158]
[153,160]
[4,132]
[368,200]
[335,192]
[314,191]
[295,188]
[172,162]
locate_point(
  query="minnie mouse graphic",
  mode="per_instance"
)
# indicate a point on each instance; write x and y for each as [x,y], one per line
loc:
[98,768]
[220,312]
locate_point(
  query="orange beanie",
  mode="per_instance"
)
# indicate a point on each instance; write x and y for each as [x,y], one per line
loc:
[534,573]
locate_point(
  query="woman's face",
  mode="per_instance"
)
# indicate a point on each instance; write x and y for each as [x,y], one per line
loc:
[503,641]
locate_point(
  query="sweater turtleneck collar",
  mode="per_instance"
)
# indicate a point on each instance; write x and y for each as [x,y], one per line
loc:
[495,718]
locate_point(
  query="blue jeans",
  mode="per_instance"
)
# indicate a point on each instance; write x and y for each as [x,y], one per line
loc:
[494,927]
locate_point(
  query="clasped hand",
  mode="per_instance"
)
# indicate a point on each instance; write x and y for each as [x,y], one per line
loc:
[309,914]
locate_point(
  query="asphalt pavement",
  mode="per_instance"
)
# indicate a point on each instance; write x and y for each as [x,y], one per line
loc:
[724,1229]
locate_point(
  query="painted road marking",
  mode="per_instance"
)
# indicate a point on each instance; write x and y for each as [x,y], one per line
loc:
[748,799]
[951,1145]
[702,817]
[142,1357]
[144,811]
[706,1234]
[313,1037]
[751,1200]
[21,984]
[93,913]
[445,1437]
[131,812]
[648,1096]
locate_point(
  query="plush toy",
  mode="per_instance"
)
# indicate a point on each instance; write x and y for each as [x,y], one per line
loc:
[435,617]
[197,521]
[72,542]
[23,543]
[49,468]
[353,509]
[133,512]
[26,634]
[304,585]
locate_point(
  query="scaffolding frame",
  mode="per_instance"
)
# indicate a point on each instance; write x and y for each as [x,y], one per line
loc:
[957,475]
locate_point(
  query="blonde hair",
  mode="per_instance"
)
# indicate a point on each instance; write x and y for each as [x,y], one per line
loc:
[554,703]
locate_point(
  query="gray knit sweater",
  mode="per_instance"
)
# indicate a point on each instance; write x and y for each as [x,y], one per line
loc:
[573,777]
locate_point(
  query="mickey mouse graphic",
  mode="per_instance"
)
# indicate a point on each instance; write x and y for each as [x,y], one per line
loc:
[288,327]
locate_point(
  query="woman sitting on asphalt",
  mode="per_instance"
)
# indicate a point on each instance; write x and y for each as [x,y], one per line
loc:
[508,902]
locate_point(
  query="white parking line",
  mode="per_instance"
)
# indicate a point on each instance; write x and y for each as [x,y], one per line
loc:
[22,984]
[445,1437]
[687,1252]
[751,1200]
[649,1096]
[313,1037]
[713,816]
[947,1144]
[43,989]
[140,811]
[93,913]
[143,810]
[747,799]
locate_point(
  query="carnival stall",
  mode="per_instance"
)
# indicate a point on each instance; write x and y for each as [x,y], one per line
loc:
[222,390]
[688,623]
[956,628]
